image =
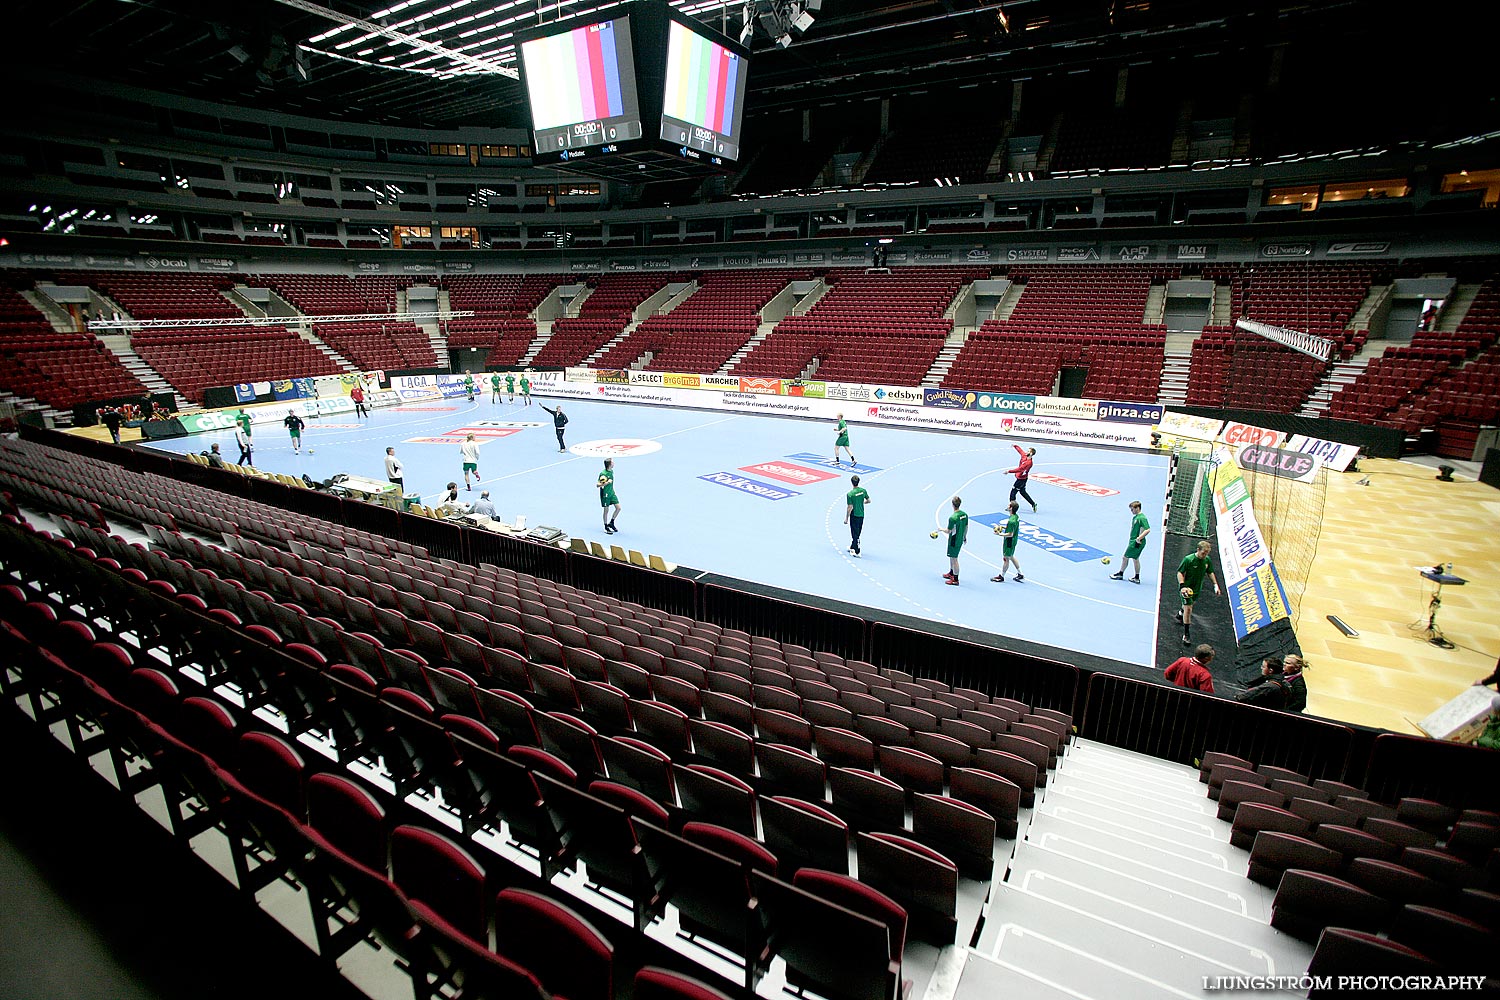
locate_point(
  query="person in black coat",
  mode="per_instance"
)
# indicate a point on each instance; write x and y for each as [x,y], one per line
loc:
[1268,689]
[111,418]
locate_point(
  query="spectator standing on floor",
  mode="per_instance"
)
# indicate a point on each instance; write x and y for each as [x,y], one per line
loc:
[559,421]
[394,470]
[1192,671]
[1022,472]
[111,419]
[247,446]
[1268,688]
[1292,666]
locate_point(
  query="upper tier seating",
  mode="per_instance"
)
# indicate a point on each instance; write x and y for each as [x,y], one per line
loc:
[1116,140]
[198,358]
[702,333]
[868,328]
[1237,369]
[502,304]
[1087,316]
[609,308]
[59,369]
[164,296]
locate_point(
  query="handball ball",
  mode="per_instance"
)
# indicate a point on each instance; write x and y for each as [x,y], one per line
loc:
[1105,560]
[933,535]
[312,451]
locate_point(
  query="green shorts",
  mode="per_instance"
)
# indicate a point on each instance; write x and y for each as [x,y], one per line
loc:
[1133,551]
[1192,596]
[471,466]
[296,435]
[1008,547]
[842,442]
[954,550]
[607,498]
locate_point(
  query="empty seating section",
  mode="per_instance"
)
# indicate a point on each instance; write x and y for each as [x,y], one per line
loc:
[884,328]
[199,358]
[1111,141]
[164,296]
[544,714]
[502,305]
[705,331]
[1344,865]
[1086,316]
[60,369]
[959,150]
[609,308]
[370,345]
[1234,368]
[1447,380]
[196,358]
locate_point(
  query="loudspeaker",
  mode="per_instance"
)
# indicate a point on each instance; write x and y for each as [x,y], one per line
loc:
[1445,474]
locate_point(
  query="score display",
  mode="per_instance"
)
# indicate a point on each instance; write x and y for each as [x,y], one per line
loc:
[582,88]
[703,100]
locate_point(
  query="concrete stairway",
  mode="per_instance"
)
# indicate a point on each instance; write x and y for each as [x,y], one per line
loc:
[1175,368]
[543,334]
[338,359]
[943,363]
[609,345]
[118,344]
[761,333]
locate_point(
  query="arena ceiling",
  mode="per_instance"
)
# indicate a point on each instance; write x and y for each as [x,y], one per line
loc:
[451,64]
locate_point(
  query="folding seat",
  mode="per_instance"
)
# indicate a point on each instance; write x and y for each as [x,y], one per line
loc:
[573,740]
[705,875]
[1222,773]
[711,795]
[1346,952]
[804,834]
[1252,817]
[841,748]
[270,767]
[1472,839]
[1040,734]
[732,685]
[836,935]
[639,765]
[664,726]
[1364,807]
[565,952]
[1234,792]
[1398,833]
[1272,853]
[915,877]
[1319,812]
[782,699]
[1352,843]
[1306,902]
[605,706]
[1396,883]
[510,715]
[814,690]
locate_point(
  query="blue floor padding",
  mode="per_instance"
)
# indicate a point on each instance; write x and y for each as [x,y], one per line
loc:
[758,498]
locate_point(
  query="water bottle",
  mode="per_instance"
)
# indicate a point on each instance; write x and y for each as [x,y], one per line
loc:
[1450,569]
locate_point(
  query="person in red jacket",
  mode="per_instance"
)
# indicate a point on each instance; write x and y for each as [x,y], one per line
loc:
[1022,472]
[1192,671]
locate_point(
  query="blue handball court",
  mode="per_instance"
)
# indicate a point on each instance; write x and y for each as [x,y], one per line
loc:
[759,499]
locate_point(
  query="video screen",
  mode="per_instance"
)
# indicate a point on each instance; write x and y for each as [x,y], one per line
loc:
[704,97]
[582,89]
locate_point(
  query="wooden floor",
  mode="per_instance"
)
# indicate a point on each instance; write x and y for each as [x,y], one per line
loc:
[1373,538]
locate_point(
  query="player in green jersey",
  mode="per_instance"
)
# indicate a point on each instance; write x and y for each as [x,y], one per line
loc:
[494,387]
[854,513]
[1010,533]
[469,385]
[1190,574]
[1140,527]
[607,497]
[842,441]
[525,389]
[510,387]
[957,532]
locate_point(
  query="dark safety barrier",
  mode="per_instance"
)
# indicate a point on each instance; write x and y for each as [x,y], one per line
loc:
[1418,767]
[546,561]
[1040,683]
[785,621]
[677,595]
[1377,442]
[1181,725]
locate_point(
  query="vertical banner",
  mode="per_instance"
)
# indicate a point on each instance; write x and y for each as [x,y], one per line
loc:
[1256,596]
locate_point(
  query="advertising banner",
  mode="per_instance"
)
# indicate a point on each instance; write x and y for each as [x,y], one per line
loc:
[680,380]
[244,392]
[1130,413]
[1062,406]
[648,378]
[1236,434]
[1185,425]
[799,387]
[948,399]
[285,388]
[1256,595]
[1005,402]
[761,386]
[1332,454]
[1280,462]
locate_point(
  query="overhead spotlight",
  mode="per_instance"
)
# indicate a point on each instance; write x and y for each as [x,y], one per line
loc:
[239,54]
[747,32]
[784,40]
[803,21]
[301,65]
[1003,18]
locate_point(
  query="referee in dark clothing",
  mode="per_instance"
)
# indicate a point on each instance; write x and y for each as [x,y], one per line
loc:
[559,421]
